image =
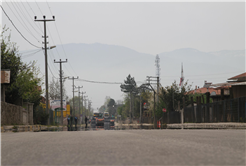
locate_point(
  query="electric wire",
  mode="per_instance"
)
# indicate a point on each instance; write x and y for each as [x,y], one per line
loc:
[52,61]
[31,54]
[39,8]
[32,18]
[18,29]
[99,82]
[53,41]
[48,60]
[49,7]
[34,14]
[63,47]
[25,52]
[16,16]
[23,21]
[202,75]
[23,13]
[61,43]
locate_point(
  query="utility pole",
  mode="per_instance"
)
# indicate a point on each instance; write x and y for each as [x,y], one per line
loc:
[61,87]
[157,64]
[79,97]
[46,61]
[72,78]
[148,79]
[82,102]
[158,86]
[89,104]
[85,103]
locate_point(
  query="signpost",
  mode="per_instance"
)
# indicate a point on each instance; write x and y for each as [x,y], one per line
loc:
[57,104]
[164,110]
[5,79]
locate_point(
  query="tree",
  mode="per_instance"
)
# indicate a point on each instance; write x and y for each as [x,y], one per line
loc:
[171,95]
[24,81]
[102,109]
[111,107]
[28,84]
[76,105]
[54,89]
[129,87]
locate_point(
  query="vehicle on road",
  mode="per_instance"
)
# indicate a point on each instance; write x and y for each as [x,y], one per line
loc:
[108,121]
[98,120]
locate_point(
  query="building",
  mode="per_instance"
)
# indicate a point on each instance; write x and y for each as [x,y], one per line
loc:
[239,85]
[235,87]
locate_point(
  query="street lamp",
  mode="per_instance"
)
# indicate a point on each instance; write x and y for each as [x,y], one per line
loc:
[52,47]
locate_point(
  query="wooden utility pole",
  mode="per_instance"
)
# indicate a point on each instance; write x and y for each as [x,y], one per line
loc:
[61,87]
[46,62]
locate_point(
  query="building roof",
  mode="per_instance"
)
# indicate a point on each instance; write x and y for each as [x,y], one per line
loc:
[204,90]
[238,77]
[239,83]
[224,84]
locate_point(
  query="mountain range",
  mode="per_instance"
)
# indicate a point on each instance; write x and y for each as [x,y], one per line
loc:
[112,63]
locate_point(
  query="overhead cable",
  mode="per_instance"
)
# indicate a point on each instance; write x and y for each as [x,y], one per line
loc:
[18,30]
[99,82]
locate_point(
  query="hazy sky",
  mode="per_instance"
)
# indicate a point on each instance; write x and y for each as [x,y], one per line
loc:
[147,27]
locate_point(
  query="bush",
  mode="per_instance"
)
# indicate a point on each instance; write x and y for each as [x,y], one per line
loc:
[40,116]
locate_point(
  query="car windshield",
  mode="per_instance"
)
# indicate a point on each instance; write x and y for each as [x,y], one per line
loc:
[98,115]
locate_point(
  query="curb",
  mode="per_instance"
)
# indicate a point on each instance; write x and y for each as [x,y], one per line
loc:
[29,128]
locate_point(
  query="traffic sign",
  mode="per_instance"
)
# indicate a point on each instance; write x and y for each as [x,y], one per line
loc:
[164,110]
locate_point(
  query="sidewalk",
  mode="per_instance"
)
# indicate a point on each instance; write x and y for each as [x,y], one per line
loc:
[228,125]
[223,125]
[33,128]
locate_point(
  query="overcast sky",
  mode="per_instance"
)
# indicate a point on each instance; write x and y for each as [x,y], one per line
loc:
[147,27]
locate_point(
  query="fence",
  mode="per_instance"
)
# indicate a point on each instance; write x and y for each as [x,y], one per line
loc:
[232,110]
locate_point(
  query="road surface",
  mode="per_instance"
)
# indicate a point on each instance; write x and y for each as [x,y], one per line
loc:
[124,147]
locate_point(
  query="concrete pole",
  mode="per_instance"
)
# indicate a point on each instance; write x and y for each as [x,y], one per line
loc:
[158,86]
[183,113]
[46,63]
[140,120]
[61,87]
[130,107]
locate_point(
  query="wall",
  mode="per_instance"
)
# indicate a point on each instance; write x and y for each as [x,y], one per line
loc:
[239,91]
[16,115]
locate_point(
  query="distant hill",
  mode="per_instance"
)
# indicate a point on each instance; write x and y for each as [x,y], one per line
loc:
[112,63]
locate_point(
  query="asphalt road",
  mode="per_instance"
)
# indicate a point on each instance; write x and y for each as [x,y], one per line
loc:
[125,147]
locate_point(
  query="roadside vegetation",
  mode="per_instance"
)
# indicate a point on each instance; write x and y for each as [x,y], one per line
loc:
[25,81]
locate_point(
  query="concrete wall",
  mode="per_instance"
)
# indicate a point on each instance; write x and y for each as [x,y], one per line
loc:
[16,115]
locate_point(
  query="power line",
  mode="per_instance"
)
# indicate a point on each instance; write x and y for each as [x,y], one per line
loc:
[31,17]
[39,7]
[53,42]
[61,42]
[99,82]
[34,15]
[63,47]
[17,29]
[31,54]
[202,75]
[49,8]
[23,20]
